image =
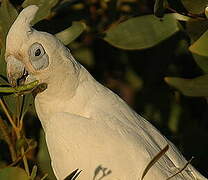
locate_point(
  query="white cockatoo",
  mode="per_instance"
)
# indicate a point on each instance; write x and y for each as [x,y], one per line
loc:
[87,126]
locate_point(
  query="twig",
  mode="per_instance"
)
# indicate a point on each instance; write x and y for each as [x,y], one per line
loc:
[25,161]
[7,114]
[23,154]
[8,140]
[182,168]
[20,89]
[20,157]
[195,16]
[154,160]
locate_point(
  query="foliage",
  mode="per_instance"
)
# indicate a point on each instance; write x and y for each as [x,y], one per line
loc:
[164,38]
[146,36]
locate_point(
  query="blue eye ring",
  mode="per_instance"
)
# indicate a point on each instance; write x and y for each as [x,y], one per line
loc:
[36,50]
[38,57]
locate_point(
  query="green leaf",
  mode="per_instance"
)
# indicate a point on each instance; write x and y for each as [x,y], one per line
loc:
[11,103]
[195,7]
[8,14]
[142,32]
[28,103]
[44,8]
[202,62]
[2,63]
[19,89]
[200,47]
[71,33]
[196,28]
[181,17]
[206,12]
[13,173]
[197,87]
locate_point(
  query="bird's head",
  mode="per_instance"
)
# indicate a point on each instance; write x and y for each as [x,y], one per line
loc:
[33,55]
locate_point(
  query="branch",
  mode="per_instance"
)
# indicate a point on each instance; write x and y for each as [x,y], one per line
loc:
[7,138]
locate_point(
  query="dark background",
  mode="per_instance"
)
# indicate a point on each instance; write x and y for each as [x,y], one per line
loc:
[147,92]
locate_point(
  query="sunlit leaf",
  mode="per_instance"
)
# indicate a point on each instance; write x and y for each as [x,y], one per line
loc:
[200,47]
[13,173]
[142,32]
[181,17]
[206,11]
[197,87]
[44,8]
[195,7]
[71,33]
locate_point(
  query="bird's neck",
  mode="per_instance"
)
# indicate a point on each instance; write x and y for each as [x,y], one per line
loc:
[63,84]
[64,96]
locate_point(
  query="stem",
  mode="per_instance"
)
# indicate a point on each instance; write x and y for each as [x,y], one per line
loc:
[17,131]
[196,16]
[8,140]
[7,114]
[184,167]
[19,89]
[25,161]
[18,111]
[20,126]
[19,158]
[23,155]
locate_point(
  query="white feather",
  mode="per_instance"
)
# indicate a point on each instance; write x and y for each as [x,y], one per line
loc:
[86,125]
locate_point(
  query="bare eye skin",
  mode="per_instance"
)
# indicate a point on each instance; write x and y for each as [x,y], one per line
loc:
[38,57]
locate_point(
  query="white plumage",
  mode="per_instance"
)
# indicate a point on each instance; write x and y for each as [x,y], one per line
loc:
[86,125]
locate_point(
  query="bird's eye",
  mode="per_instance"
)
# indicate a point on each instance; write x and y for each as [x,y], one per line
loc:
[38,52]
[38,57]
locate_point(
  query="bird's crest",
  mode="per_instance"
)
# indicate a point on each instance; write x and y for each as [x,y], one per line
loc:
[21,27]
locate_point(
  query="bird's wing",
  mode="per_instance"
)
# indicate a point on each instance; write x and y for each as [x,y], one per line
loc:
[141,136]
[87,144]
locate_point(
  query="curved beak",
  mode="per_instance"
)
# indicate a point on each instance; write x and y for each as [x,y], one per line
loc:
[15,70]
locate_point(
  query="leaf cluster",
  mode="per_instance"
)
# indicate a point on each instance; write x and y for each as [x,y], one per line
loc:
[109,37]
